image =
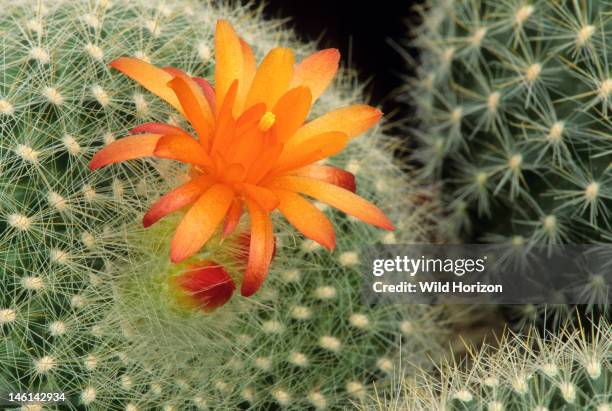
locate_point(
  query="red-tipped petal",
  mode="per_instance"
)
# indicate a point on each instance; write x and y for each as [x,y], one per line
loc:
[206,285]
[317,71]
[200,222]
[232,218]
[127,148]
[329,174]
[261,249]
[194,105]
[176,199]
[150,77]
[352,121]
[317,148]
[244,244]
[307,218]
[159,128]
[208,90]
[336,197]
[185,149]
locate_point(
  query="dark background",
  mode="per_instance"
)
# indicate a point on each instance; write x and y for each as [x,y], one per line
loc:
[362,31]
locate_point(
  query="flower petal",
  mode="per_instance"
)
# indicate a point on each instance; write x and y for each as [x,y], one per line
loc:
[206,285]
[272,78]
[246,149]
[291,111]
[265,198]
[315,149]
[249,119]
[307,218]
[248,73]
[226,124]
[176,199]
[127,148]
[150,77]
[329,174]
[208,90]
[336,197]
[265,161]
[228,59]
[352,120]
[261,249]
[317,71]
[232,218]
[159,128]
[200,222]
[184,149]
[194,105]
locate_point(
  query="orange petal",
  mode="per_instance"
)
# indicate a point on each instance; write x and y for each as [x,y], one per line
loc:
[248,73]
[232,218]
[307,218]
[250,118]
[234,173]
[194,104]
[315,149]
[208,90]
[291,111]
[184,149]
[205,87]
[150,77]
[329,174]
[272,78]
[264,197]
[226,124]
[247,148]
[176,199]
[200,222]
[173,71]
[265,161]
[261,249]
[352,120]
[228,59]
[159,128]
[336,197]
[127,148]
[317,71]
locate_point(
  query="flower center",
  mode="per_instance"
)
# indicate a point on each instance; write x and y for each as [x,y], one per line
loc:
[267,121]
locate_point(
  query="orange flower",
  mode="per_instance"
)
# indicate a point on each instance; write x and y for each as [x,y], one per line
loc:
[252,148]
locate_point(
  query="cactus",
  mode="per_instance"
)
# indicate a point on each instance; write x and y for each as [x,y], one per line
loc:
[513,104]
[570,371]
[88,305]
[513,98]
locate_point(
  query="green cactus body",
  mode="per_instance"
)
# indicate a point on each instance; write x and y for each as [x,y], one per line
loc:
[569,371]
[514,102]
[85,303]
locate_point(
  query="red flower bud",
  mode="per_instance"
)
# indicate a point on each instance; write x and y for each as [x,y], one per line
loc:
[205,285]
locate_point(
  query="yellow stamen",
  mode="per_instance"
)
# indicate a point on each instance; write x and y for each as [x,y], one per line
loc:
[267,121]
